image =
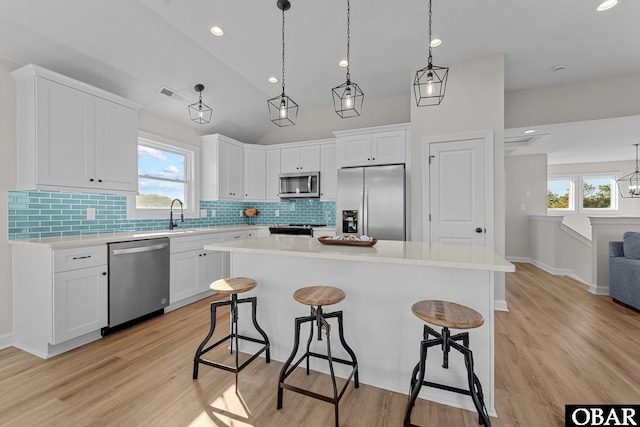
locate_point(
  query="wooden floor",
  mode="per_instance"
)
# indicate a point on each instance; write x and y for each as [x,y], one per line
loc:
[557,345]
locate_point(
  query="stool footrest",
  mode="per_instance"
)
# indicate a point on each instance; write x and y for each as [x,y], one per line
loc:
[447,388]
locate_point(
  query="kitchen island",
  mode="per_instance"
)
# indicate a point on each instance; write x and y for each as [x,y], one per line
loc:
[382,283]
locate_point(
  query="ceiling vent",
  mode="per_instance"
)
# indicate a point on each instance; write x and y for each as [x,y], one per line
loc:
[171,93]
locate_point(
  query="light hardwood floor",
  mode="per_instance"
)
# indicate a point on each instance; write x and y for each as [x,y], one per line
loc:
[557,345]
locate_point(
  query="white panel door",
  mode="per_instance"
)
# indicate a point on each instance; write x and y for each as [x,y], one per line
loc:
[236,172]
[388,147]
[65,135]
[184,275]
[356,150]
[310,158]
[254,174]
[116,161]
[457,192]
[329,173]
[273,175]
[290,160]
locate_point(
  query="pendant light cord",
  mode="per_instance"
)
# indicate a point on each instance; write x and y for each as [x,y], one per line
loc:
[637,171]
[430,57]
[283,52]
[348,41]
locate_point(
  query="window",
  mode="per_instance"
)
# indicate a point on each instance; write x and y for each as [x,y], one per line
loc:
[166,171]
[598,192]
[560,193]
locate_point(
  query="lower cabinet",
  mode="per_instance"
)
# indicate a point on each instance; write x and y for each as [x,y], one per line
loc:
[79,302]
[60,297]
[193,269]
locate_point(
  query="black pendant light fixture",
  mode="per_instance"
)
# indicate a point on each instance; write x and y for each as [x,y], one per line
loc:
[348,97]
[629,185]
[430,82]
[199,111]
[282,109]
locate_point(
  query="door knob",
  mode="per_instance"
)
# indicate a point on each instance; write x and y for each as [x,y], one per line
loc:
[478,230]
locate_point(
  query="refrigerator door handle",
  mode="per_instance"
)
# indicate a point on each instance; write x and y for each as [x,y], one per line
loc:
[365,214]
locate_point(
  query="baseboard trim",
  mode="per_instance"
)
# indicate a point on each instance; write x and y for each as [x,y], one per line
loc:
[594,289]
[500,305]
[6,341]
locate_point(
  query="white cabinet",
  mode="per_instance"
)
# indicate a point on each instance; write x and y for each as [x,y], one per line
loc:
[192,269]
[300,159]
[60,297]
[329,172]
[73,136]
[272,175]
[222,168]
[371,148]
[255,170]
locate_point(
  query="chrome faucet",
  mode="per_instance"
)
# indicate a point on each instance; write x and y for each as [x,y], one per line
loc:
[172,224]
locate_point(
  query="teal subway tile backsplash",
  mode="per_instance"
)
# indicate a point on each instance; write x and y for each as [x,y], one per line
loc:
[35,214]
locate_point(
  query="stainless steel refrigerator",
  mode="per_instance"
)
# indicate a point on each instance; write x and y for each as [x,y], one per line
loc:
[371,201]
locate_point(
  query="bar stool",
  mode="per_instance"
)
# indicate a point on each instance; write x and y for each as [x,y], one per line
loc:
[316,297]
[447,315]
[231,286]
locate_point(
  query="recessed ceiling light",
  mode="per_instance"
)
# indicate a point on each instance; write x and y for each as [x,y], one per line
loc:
[216,31]
[607,4]
[436,42]
[272,80]
[343,63]
[528,131]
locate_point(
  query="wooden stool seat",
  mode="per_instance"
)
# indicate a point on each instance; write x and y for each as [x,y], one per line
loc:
[319,295]
[233,285]
[447,314]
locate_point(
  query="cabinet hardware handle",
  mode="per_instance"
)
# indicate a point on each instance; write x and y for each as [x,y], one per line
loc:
[368,158]
[373,158]
[204,254]
[82,257]
[104,273]
[90,179]
[199,254]
[99,180]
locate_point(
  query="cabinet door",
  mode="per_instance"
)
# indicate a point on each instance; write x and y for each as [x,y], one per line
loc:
[290,160]
[255,171]
[116,143]
[356,150]
[211,266]
[64,134]
[388,147]
[329,173]
[310,158]
[184,275]
[79,302]
[273,175]
[236,172]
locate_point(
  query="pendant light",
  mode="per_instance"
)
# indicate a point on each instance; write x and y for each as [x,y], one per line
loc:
[348,98]
[199,111]
[282,109]
[629,185]
[430,82]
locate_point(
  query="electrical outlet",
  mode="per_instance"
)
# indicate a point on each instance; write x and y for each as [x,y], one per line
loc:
[91,213]
[522,207]
[213,213]
[203,213]
[277,212]
[527,193]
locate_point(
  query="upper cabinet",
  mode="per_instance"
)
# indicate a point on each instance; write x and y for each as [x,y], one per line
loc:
[255,164]
[73,136]
[300,159]
[372,146]
[273,175]
[329,172]
[222,168]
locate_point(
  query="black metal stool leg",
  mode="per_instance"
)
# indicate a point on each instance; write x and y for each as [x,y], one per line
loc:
[330,359]
[313,313]
[254,304]
[349,350]
[234,334]
[478,400]
[285,367]
[422,365]
[196,358]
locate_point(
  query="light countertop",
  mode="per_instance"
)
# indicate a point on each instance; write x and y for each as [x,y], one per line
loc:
[385,251]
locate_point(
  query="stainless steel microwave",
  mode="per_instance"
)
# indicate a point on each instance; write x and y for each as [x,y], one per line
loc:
[299,185]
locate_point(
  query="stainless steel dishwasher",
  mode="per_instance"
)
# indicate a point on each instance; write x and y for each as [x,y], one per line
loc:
[138,280]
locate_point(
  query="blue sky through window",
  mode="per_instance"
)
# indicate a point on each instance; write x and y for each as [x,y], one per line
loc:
[165,165]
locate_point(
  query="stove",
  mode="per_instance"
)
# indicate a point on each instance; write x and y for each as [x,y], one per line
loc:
[294,229]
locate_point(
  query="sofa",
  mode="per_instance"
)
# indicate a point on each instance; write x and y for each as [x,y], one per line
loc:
[624,270]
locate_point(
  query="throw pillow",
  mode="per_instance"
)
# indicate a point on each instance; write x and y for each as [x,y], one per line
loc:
[631,244]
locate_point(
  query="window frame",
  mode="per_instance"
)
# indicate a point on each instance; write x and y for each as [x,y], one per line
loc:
[572,192]
[191,174]
[615,194]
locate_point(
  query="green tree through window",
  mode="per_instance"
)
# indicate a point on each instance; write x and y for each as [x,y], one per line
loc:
[596,195]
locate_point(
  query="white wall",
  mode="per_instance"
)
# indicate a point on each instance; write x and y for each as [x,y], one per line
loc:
[523,175]
[471,104]
[573,102]
[7,182]
[321,123]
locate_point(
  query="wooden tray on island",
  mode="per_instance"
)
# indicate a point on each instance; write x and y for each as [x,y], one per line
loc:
[327,240]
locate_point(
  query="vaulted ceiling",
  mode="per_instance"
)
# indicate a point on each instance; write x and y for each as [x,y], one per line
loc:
[135,47]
